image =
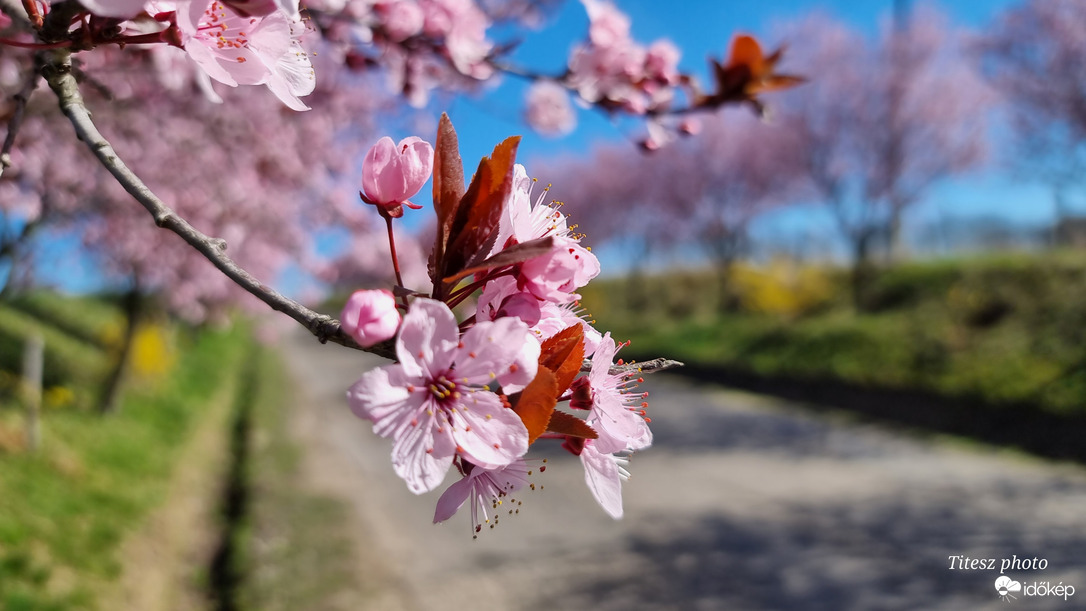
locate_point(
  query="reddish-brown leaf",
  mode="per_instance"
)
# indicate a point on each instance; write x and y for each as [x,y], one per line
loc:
[747,52]
[480,209]
[518,253]
[448,189]
[747,73]
[536,403]
[568,424]
[563,353]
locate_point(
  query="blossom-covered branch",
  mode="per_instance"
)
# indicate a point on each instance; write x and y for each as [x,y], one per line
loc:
[57,73]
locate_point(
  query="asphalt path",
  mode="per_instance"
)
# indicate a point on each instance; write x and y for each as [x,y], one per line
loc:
[743,502]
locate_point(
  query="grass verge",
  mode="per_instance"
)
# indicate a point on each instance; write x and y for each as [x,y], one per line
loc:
[65,511]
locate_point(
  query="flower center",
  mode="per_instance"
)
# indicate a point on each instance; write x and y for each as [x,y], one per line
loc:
[444,389]
[224,27]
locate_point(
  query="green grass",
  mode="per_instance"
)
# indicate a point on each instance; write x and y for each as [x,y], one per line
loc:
[69,360]
[92,319]
[65,510]
[1006,329]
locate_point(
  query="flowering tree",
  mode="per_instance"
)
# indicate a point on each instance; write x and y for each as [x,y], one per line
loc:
[473,393]
[1034,56]
[883,120]
[703,190]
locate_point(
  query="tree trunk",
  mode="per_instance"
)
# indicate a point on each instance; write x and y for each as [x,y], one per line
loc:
[111,392]
[862,269]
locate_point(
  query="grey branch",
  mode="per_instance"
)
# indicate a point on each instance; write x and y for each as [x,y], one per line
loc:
[16,120]
[653,366]
[57,72]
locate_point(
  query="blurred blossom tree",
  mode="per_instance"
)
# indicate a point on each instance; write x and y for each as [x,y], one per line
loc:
[881,121]
[702,191]
[1035,55]
[233,162]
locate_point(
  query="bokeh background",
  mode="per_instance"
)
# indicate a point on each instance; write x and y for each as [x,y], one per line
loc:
[876,282]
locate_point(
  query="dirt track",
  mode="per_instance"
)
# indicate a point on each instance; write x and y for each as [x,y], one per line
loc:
[742,503]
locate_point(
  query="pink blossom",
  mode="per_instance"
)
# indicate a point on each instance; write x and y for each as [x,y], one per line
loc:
[463,26]
[393,173]
[434,403]
[604,474]
[556,275]
[690,126]
[467,44]
[556,317]
[402,19]
[501,297]
[621,426]
[549,111]
[370,317]
[568,266]
[662,62]
[485,488]
[607,25]
[234,49]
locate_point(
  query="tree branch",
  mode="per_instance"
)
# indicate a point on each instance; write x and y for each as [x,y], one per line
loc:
[57,71]
[653,366]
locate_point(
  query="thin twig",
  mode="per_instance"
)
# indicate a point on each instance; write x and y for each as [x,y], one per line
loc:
[57,72]
[653,366]
[16,121]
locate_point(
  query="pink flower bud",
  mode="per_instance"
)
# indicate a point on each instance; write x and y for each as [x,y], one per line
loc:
[392,173]
[370,317]
[549,110]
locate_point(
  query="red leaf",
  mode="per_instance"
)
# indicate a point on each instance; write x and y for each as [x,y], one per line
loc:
[518,253]
[536,403]
[748,72]
[448,189]
[568,424]
[477,216]
[563,353]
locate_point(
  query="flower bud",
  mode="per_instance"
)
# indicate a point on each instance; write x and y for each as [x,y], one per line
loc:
[370,317]
[393,173]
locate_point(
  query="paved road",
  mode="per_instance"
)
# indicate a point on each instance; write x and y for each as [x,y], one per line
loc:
[743,503]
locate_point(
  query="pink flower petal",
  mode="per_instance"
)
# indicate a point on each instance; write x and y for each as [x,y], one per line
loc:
[428,338]
[487,433]
[381,393]
[489,348]
[453,499]
[602,476]
[421,457]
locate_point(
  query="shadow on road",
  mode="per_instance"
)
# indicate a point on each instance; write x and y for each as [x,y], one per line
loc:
[891,554]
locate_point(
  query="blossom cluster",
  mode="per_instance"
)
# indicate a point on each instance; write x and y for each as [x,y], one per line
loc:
[609,70]
[475,394]
[234,42]
[423,44]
